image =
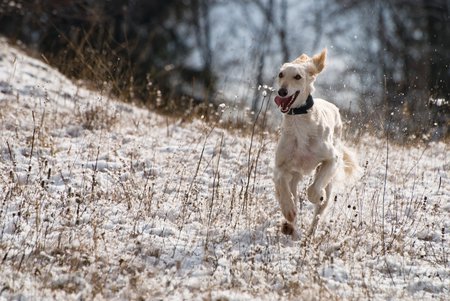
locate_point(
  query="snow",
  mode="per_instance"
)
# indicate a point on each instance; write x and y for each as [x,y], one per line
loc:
[105,200]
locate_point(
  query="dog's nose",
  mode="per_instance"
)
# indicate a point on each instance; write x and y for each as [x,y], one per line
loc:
[283,92]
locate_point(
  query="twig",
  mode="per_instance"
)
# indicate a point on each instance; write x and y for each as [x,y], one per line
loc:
[32,146]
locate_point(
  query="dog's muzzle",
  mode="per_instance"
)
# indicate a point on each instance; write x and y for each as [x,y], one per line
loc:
[285,103]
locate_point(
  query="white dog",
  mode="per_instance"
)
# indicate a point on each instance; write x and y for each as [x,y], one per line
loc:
[310,140]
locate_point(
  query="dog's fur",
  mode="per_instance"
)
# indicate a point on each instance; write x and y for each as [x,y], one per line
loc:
[308,142]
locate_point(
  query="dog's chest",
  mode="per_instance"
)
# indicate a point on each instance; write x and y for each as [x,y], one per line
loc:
[298,151]
[304,156]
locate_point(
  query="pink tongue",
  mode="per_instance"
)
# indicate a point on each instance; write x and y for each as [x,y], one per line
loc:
[282,101]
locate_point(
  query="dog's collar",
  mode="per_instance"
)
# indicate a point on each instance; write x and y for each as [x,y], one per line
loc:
[303,109]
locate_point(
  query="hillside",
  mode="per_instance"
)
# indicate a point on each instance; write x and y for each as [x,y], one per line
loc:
[104,200]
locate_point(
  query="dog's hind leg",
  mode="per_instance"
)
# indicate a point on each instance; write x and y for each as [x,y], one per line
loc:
[319,192]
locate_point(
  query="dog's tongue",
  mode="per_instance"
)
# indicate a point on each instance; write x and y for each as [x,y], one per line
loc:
[283,102]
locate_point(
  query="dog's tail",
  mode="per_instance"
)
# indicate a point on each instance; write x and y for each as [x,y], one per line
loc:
[350,168]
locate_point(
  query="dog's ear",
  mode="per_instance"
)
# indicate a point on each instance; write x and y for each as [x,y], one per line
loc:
[301,59]
[319,60]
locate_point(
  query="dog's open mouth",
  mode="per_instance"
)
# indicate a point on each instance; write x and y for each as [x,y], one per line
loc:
[285,103]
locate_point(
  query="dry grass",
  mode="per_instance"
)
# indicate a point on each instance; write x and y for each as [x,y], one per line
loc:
[68,232]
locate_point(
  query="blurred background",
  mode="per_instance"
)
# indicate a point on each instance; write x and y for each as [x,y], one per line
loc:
[388,60]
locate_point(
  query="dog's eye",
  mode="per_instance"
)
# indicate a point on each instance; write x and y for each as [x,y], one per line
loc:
[280,75]
[298,76]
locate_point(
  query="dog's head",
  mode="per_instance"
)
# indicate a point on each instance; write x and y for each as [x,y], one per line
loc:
[295,80]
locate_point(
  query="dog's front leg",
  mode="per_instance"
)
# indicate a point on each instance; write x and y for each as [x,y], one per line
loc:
[286,198]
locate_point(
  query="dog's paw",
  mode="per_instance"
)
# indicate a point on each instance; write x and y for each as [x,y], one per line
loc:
[315,196]
[287,228]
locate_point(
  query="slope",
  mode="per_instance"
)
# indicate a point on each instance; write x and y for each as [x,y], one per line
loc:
[104,200]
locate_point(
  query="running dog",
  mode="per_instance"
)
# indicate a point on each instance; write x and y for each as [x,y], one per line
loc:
[310,140]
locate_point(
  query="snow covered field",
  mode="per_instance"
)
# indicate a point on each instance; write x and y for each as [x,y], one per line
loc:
[104,200]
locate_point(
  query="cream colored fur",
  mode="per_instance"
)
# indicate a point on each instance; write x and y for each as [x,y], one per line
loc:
[308,142]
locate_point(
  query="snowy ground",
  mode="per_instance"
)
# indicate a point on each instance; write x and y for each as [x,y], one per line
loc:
[103,200]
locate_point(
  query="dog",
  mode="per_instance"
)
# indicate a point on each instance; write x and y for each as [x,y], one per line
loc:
[310,141]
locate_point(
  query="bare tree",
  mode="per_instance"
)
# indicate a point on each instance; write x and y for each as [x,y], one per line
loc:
[201,21]
[411,39]
[274,21]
